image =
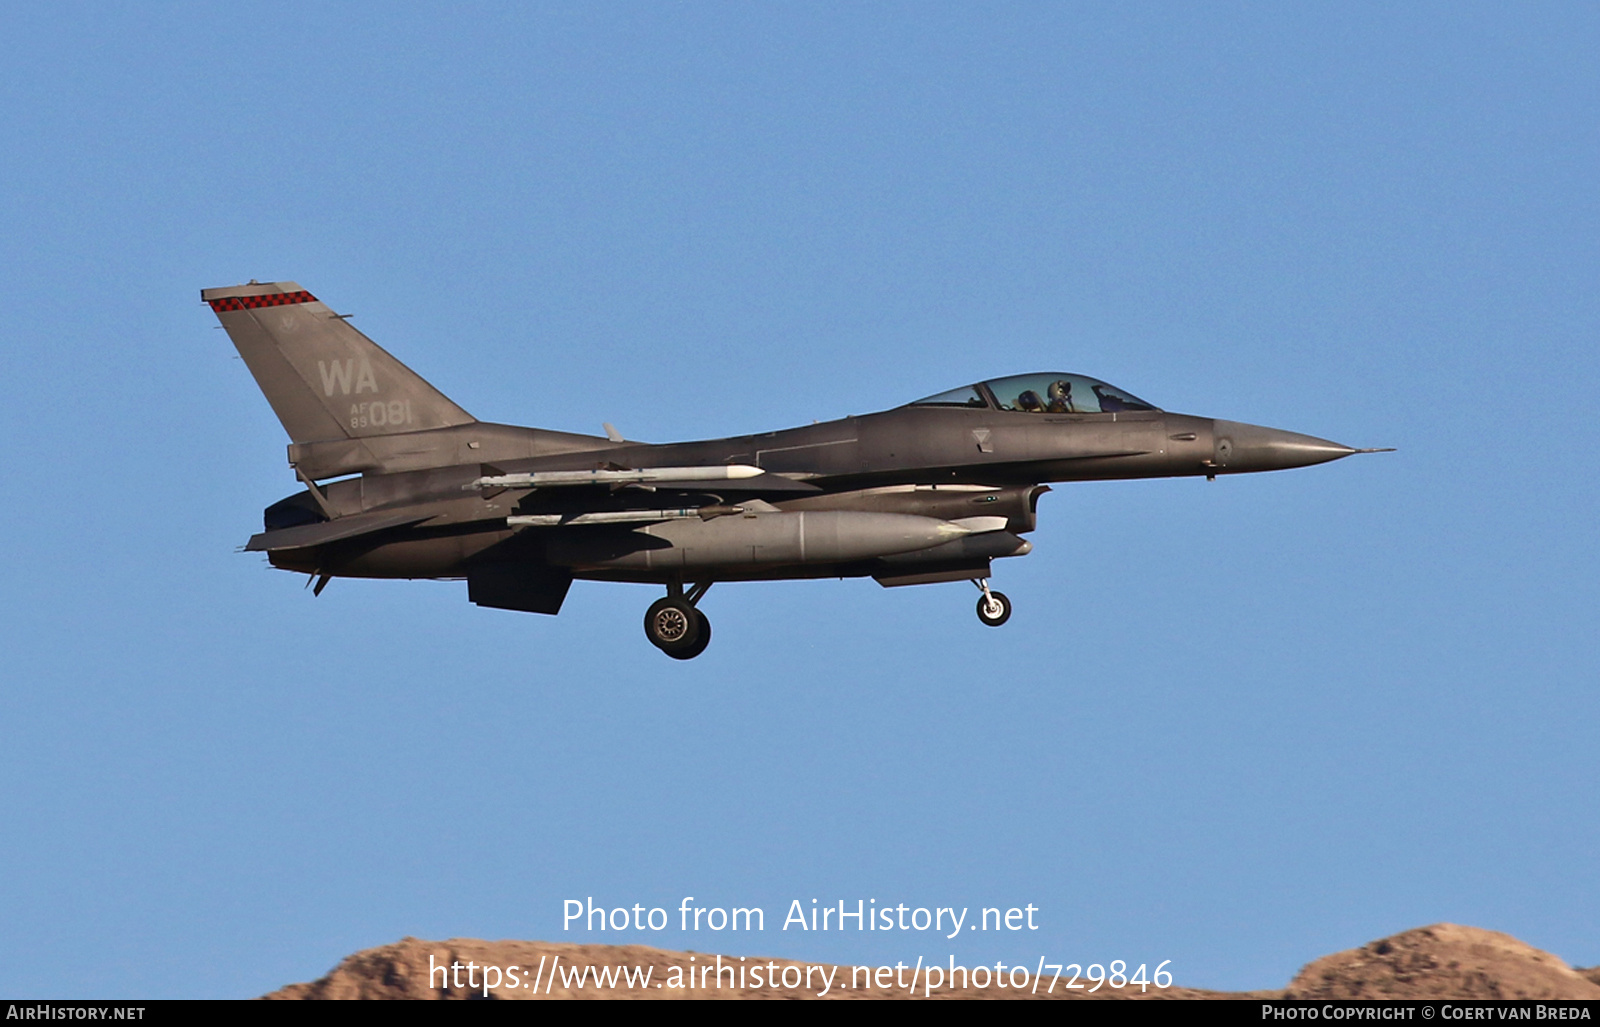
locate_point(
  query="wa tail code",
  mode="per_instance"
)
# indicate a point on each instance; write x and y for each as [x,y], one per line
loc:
[338,374]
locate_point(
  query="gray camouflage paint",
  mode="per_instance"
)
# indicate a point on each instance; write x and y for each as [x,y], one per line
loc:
[873,495]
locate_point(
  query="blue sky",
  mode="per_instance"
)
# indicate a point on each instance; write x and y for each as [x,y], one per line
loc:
[1234,725]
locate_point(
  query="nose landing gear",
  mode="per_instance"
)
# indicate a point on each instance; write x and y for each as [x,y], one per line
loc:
[994,609]
[675,626]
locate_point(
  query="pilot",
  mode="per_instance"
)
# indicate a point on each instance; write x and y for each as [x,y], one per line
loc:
[1060,393]
[1108,403]
[1030,401]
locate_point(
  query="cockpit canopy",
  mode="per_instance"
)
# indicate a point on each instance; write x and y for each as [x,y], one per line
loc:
[1044,393]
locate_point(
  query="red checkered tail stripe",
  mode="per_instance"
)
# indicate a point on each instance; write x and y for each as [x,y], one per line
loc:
[271,299]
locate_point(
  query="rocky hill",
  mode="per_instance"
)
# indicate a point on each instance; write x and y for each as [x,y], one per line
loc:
[1437,962]
[1444,961]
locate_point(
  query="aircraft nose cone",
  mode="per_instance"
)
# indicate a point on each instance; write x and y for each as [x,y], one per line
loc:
[1251,447]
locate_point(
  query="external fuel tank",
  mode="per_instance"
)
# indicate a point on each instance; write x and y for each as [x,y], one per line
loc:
[756,539]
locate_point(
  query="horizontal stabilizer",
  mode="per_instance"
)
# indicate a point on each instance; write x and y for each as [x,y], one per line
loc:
[306,536]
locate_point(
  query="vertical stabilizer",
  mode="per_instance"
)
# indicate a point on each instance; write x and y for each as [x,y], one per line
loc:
[324,379]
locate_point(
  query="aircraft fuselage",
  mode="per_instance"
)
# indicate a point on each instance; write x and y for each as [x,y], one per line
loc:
[413,486]
[928,462]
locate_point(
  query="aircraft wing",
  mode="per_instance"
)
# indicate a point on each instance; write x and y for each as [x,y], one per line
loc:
[305,536]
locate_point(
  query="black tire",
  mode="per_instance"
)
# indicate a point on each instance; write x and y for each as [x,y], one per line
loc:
[989,617]
[672,625]
[699,647]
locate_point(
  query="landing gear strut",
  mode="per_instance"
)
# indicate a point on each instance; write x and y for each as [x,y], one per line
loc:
[994,609]
[675,626]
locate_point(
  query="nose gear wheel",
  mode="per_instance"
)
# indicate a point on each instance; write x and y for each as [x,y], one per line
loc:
[994,608]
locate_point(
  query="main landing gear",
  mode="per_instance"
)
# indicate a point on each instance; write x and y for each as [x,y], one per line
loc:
[675,626]
[994,609]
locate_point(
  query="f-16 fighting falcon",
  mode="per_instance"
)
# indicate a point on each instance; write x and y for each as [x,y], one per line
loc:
[399,482]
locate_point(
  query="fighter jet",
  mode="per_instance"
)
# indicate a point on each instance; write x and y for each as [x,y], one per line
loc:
[400,482]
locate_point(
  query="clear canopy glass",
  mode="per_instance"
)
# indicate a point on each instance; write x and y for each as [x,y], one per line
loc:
[1044,393]
[966,396]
